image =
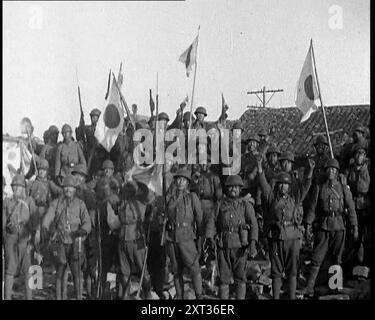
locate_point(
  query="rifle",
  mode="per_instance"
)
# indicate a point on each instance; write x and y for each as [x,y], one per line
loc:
[100,267]
[152,104]
[80,131]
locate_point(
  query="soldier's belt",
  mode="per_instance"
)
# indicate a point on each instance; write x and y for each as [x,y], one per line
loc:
[332,214]
[287,223]
[230,230]
[182,224]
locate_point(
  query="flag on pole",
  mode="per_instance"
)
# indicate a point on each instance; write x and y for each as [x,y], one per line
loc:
[224,108]
[189,57]
[307,89]
[111,123]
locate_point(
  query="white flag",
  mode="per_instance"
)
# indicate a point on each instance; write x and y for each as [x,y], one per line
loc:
[307,90]
[111,123]
[189,57]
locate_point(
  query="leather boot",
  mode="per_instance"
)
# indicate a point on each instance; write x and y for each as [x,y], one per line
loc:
[197,284]
[179,286]
[309,289]
[241,291]
[125,287]
[8,287]
[276,286]
[224,291]
[292,286]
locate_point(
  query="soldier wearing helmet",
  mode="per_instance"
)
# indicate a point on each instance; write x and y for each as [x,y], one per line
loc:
[20,225]
[42,190]
[49,150]
[283,225]
[69,223]
[358,178]
[69,153]
[328,202]
[199,123]
[184,216]
[236,229]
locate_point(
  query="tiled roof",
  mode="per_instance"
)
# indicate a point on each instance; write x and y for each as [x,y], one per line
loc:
[288,133]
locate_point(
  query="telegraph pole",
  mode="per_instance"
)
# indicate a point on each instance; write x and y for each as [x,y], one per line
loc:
[263,91]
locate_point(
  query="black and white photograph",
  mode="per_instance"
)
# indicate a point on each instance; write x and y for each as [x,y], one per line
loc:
[214,150]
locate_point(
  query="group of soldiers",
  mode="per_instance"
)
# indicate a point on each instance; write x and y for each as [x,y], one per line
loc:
[78,208]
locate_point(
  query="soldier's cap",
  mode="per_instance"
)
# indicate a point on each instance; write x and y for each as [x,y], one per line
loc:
[287,155]
[283,177]
[359,147]
[42,164]
[237,125]
[253,137]
[234,180]
[273,149]
[332,163]
[19,180]
[131,187]
[108,164]
[186,116]
[95,112]
[163,116]
[66,128]
[200,110]
[80,169]
[320,139]
[183,173]
[262,132]
[69,181]
[53,129]
[360,128]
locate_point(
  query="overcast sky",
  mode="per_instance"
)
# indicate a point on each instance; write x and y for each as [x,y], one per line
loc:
[243,45]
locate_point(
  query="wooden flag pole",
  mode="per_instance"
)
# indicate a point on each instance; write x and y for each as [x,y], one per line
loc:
[192,94]
[321,103]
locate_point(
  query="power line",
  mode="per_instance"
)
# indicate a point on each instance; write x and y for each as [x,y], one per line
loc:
[263,91]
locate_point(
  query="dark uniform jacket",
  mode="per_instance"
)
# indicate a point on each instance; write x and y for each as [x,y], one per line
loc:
[319,173]
[67,156]
[184,217]
[234,215]
[20,218]
[208,187]
[359,183]
[64,217]
[49,153]
[132,216]
[327,206]
[283,217]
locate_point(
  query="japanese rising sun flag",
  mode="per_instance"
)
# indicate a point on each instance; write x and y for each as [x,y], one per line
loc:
[110,124]
[307,90]
[189,57]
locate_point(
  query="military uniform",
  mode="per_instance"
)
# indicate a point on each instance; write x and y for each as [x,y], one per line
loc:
[132,240]
[235,217]
[284,231]
[184,226]
[49,152]
[20,222]
[359,182]
[68,155]
[326,212]
[68,220]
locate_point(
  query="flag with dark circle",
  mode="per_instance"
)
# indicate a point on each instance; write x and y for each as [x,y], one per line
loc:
[308,85]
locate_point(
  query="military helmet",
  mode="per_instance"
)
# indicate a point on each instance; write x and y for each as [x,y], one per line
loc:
[66,128]
[163,116]
[183,173]
[234,180]
[108,164]
[287,155]
[253,137]
[283,177]
[360,128]
[273,149]
[320,139]
[19,180]
[53,129]
[186,116]
[332,163]
[80,168]
[95,112]
[69,181]
[359,147]
[43,164]
[200,110]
